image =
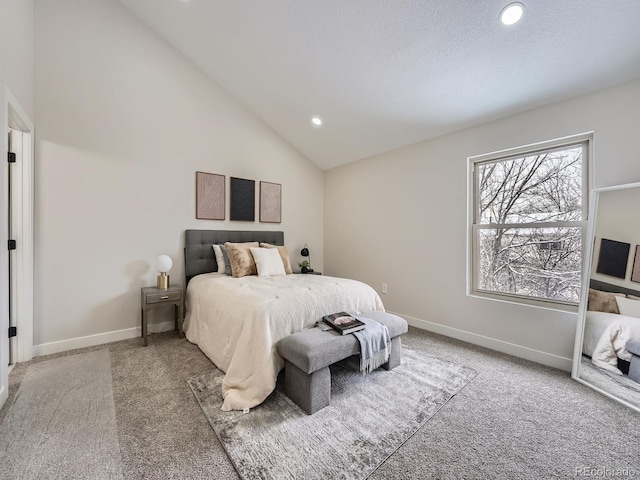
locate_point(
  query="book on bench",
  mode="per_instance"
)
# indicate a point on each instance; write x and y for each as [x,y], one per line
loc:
[343,323]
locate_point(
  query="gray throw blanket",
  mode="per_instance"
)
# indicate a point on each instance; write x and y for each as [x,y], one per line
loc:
[375,344]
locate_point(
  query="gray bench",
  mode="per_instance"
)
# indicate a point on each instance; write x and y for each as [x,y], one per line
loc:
[308,355]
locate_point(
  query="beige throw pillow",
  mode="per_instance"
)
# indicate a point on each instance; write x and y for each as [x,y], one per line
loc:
[240,258]
[284,254]
[600,301]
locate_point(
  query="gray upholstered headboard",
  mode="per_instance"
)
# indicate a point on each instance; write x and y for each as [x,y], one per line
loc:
[198,252]
[608,287]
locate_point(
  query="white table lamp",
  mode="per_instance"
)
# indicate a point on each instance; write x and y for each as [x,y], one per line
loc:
[163,265]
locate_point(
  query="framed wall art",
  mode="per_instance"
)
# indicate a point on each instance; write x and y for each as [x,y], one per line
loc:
[270,202]
[613,257]
[635,271]
[243,200]
[210,194]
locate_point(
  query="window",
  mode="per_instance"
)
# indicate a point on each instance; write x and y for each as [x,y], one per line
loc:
[528,220]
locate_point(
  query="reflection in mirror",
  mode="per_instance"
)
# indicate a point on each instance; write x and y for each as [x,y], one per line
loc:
[607,352]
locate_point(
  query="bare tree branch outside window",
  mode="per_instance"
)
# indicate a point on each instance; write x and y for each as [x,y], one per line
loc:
[529,222]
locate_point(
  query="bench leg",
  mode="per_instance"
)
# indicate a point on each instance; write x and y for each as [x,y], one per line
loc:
[311,392]
[396,354]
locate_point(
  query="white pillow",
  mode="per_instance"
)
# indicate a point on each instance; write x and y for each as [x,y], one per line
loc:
[268,261]
[628,307]
[219,258]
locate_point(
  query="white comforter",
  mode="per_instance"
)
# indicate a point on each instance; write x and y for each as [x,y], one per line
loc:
[605,338]
[237,323]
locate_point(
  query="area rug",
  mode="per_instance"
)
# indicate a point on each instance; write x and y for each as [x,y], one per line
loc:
[370,416]
[62,423]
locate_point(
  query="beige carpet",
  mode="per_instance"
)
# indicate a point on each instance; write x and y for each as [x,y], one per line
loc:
[370,416]
[62,423]
[515,420]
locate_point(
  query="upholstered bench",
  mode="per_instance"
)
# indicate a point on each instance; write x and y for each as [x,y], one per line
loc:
[634,367]
[308,355]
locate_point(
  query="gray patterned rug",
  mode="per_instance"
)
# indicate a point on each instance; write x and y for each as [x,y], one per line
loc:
[368,419]
[62,423]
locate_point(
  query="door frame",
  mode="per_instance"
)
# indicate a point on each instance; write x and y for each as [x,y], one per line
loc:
[23,213]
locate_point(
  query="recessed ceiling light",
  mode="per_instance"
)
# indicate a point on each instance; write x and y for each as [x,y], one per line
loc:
[512,13]
[316,121]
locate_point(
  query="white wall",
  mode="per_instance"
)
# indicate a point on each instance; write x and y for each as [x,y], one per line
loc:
[16,75]
[400,218]
[123,123]
[618,219]
[16,50]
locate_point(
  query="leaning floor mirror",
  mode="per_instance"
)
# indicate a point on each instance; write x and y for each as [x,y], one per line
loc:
[607,351]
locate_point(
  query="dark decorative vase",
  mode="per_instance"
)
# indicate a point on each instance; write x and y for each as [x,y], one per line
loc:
[304,270]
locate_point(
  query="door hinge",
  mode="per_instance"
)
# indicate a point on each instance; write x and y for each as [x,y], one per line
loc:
[13,331]
[11,157]
[11,244]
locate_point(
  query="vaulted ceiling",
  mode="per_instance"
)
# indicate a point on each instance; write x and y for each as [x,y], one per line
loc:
[383,74]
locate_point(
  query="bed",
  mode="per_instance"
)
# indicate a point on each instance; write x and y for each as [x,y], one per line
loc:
[237,322]
[606,330]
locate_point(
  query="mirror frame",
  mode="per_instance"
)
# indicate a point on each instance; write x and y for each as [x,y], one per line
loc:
[586,280]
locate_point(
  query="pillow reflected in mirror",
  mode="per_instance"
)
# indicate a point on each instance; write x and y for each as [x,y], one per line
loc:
[628,306]
[600,301]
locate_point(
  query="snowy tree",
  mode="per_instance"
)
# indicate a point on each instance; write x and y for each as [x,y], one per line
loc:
[529,222]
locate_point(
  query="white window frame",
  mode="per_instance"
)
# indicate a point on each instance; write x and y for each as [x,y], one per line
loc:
[473,201]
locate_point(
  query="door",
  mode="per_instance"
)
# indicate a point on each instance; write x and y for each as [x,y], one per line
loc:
[14,158]
[4,274]
[16,301]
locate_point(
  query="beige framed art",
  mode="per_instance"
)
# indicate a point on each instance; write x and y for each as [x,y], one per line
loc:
[270,202]
[210,191]
[635,272]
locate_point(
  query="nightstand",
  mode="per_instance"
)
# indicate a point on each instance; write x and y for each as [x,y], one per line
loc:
[155,297]
[312,273]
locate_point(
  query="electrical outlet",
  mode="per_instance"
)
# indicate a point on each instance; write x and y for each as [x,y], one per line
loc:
[384,288]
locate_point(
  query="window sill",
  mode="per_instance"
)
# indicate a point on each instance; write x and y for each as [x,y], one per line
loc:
[527,302]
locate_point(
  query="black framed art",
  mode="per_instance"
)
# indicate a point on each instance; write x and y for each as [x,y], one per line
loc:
[613,257]
[243,200]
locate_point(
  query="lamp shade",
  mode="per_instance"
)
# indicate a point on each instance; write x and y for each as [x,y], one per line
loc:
[164,263]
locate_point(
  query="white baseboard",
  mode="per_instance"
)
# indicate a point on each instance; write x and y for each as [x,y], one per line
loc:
[527,353]
[98,339]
